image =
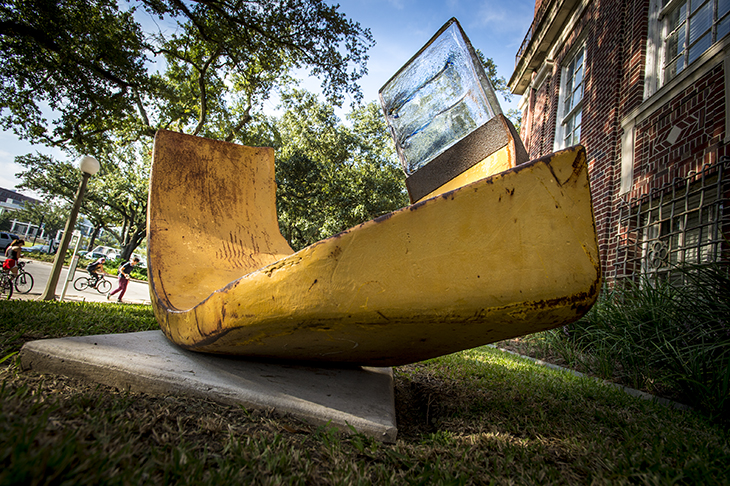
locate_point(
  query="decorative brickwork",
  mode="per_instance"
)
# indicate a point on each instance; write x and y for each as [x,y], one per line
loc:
[682,136]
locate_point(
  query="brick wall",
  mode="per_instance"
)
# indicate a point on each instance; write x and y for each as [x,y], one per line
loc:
[615,35]
[636,14]
[682,136]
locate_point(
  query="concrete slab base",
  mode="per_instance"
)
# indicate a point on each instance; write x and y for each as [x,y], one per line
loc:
[148,362]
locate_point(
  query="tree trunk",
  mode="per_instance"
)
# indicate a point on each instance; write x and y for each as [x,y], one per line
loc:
[134,241]
[92,240]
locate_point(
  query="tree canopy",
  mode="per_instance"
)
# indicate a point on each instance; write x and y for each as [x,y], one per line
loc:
[94,69]
[116,198]
[93,77]
[99,77]
[331,176]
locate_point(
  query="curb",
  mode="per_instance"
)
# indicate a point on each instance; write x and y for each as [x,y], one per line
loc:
[631,391]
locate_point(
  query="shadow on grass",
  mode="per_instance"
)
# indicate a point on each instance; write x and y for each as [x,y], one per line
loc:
[474,417]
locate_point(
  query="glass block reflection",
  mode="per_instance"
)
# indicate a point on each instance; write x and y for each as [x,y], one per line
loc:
[439,97]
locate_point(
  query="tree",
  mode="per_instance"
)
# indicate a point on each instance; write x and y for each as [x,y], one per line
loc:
[116,198]
[59,180]
[90,63]
[107,85]
[376,176]
[82,59]
[124,188]
[515,117]
[500,86]
[331,177]
[498,82]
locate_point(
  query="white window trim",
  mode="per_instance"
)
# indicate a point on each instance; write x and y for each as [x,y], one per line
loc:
[707,61]
[719,53]
[559,142]
[627,158]
[726,69]
[653,49]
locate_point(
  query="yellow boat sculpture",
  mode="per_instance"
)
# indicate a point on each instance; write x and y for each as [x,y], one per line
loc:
[493,258]
[492,247]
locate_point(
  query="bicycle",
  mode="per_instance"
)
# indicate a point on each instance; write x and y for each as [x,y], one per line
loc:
[102,285]
[6,286]
[24,280]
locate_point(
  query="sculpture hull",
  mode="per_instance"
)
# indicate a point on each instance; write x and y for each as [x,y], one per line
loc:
[501,257]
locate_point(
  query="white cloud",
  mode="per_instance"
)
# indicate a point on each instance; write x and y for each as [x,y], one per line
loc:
[513,18]
[398,4]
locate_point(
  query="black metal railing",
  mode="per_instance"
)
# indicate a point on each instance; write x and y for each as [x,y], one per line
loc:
[531,31]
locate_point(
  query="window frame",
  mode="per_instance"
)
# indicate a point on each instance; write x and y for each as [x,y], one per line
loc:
[659,33]
[568,74]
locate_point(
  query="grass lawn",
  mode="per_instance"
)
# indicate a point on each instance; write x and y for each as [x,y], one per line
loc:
[475,417]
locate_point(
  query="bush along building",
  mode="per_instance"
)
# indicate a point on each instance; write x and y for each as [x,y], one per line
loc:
[644,86]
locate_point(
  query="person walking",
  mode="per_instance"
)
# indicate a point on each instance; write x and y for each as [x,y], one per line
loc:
[123,279]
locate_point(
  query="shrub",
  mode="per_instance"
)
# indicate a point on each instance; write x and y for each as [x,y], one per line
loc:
[662,337]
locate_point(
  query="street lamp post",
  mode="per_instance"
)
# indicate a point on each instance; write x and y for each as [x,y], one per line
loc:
[89,166]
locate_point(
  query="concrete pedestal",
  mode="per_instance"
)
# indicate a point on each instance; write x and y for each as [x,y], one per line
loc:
[147,362]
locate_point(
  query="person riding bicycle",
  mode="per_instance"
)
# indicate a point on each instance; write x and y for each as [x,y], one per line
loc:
[93,268]
[12,256]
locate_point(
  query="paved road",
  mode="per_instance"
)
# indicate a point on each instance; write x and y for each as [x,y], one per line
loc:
[137,292]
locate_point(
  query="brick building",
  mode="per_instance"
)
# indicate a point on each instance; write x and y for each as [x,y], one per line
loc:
[642,84]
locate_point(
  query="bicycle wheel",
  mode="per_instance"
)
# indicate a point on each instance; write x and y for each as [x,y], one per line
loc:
[81,283]
[104,286]
[24,283]
[6,287]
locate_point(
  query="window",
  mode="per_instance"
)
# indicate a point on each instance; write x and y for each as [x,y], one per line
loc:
[571,102]
[689,28]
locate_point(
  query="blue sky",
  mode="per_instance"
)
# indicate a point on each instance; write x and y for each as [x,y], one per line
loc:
[400,28]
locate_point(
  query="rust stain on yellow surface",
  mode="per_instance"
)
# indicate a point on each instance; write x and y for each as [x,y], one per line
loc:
[497,257]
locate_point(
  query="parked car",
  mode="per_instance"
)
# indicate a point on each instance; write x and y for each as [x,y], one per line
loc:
[107,252]
[94,255]
[37,249]
[6,239]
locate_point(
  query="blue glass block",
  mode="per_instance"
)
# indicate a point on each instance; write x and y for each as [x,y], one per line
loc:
[439,97]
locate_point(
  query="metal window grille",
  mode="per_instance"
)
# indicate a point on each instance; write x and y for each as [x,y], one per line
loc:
[685,222]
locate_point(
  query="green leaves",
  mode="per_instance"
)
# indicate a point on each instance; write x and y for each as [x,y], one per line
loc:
[116,198]
[331,177]
[78,61]
[106,85]
[87,65]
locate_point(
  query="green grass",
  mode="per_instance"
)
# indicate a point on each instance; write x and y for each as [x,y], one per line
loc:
[476,417]
[26,320]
